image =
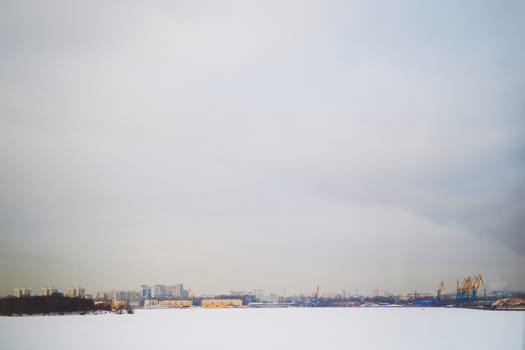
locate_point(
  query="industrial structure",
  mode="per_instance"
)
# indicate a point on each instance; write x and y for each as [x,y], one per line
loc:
[509,304]
[175,296]
[221,303]
[315,300]
[176,303]
[467,291]
[440,291]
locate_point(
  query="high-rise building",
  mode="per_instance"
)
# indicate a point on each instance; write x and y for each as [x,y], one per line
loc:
[46,291]
[180,292]
[171,291]
[22,292]
[76,292]
[162,291]
[100,296]
[158,291]
[125,296]
[146,292]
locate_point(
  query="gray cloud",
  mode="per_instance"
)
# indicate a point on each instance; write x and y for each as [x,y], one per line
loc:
[243,145]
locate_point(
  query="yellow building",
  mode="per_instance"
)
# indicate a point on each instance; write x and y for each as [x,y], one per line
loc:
[118,304]
[151,302]
[219,303]
[176,303]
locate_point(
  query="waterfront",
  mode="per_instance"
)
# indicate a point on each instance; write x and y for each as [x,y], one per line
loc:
[287,328]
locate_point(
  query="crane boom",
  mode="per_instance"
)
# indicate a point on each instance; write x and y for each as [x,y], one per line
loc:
[467,290]
[316,295]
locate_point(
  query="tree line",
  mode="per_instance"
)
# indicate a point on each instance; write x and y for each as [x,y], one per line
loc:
[54,304]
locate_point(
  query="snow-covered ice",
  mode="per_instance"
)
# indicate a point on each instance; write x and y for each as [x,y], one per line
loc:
[291,328]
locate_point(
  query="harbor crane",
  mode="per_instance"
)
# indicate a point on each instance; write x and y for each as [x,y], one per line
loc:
[463,290]
[468,289]
[476,283]
[440,291]
[315,300]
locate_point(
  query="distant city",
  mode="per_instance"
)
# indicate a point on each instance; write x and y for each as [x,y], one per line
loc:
[466,293]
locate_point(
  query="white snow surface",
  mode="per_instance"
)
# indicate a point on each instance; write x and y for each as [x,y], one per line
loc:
[290,328]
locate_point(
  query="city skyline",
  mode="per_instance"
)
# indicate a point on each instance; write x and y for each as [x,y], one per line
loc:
[248,144]
[178,290]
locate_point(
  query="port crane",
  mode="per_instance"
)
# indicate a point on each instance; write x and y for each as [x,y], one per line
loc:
[315,300]
[476,283]
[463,290]
[440,291]
[468,289]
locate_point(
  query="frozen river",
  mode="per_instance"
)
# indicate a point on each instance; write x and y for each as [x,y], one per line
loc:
[291,328]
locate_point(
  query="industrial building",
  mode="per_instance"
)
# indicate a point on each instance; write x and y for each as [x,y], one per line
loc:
[220,303]
[151,302]
[176,303]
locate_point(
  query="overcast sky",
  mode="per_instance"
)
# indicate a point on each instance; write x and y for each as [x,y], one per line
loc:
[270,144]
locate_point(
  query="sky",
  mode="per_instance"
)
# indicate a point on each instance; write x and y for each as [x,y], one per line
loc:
[281,145]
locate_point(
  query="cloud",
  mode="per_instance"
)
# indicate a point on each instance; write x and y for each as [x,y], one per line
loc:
[278,138]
